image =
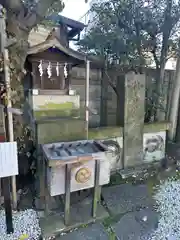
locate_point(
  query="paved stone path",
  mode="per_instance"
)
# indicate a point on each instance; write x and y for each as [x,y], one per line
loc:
[126,198]
[136,216]
[92,232]
[135,225]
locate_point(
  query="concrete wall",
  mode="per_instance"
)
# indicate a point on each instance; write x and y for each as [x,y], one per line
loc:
[68,130]
[153,149]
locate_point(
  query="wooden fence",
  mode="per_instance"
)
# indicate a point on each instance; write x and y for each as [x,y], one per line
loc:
[101,92]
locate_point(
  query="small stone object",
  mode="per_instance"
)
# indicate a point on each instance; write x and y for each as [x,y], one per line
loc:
[178,163]
[144,218]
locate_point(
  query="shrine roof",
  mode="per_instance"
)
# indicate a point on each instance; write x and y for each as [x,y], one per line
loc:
[52,42]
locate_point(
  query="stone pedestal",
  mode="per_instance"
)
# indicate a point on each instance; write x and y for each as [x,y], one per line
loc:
[132,98]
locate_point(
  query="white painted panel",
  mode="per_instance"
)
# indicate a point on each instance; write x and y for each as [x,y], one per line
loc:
[56,176]
[154,146]
[104,175]
[8,159]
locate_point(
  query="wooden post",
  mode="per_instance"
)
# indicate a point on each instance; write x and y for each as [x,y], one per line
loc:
[7,204]
[10,119]
[62,78]
[3,42]
[2,136]
[87,97]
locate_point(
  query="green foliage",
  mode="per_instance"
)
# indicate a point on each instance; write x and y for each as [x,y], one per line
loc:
[134,32]
[56,7]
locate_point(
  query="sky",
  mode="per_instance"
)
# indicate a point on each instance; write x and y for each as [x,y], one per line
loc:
[75,9]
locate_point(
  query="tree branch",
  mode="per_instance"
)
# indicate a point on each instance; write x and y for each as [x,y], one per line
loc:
[172,55]
[157,62]
[111,83]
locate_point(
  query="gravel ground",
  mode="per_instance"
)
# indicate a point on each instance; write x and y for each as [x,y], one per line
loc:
[168,201]
[25,223]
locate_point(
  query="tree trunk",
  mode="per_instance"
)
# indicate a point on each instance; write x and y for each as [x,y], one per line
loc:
[166,29]
[17,54]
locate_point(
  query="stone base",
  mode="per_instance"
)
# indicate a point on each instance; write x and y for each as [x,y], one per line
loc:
[53,224]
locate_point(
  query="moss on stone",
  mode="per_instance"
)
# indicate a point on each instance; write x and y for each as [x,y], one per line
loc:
[63,110]
[111,132]
[61,130]
[105,132]
[56,113]
[66,109]
[156,127]
[74,129]
[116,179]
[108,222]
[58,106]
[152,182]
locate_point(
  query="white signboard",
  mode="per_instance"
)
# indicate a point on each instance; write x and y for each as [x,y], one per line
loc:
[8,159]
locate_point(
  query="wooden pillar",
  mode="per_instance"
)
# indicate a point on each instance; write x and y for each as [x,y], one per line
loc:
[62,78]
[134,99]
[2,133]
[87,97]
[68,79]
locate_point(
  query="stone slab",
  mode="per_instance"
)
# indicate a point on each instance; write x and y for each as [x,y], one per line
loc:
[133,119]
[53,224]
[126,198]
[139,169]
[92,232]
[134,226]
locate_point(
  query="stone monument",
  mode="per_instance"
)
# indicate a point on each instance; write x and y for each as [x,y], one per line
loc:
[132,98]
